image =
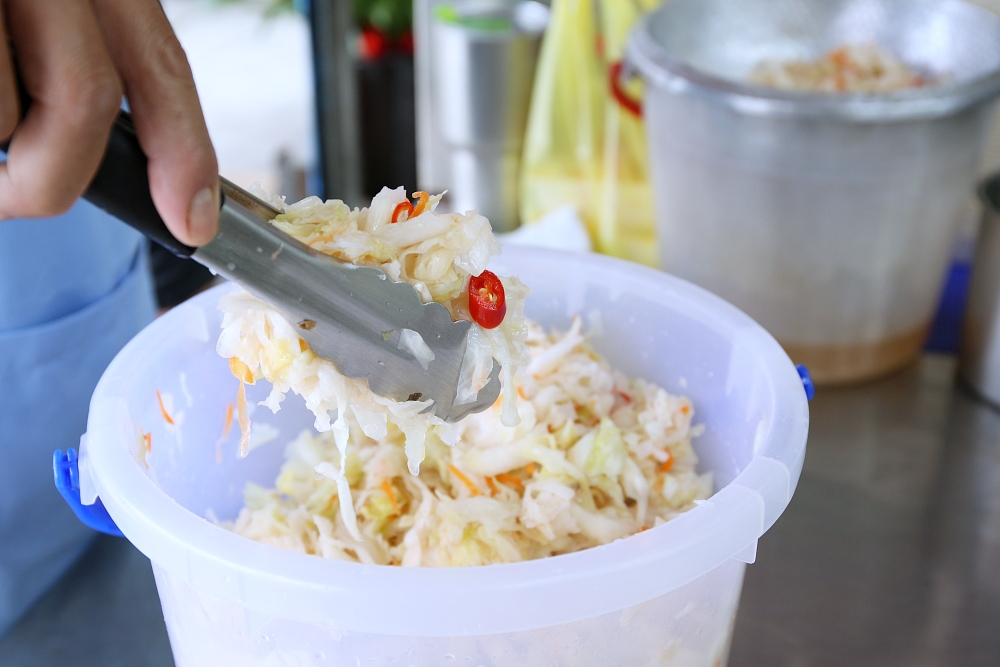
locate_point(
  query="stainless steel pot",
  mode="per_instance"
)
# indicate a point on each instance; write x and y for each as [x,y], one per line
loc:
[829,218]
[980,353]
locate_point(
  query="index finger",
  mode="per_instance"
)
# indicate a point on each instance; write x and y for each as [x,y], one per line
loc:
[57,147]
[183,171]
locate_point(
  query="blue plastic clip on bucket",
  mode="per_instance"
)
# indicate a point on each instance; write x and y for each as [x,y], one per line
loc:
[66,469]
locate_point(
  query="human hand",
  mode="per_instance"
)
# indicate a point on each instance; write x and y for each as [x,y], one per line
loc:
[76,59]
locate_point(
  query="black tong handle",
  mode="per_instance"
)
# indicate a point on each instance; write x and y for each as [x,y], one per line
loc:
[121,185]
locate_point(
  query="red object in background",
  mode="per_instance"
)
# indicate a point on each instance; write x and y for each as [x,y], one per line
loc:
[405,42]
[487,302]
[614,75]
[372,44]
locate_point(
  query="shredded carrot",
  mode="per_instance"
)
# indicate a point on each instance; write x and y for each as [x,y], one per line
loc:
[520,392]
[668,464]
[303,345]
[510,480]
[422,198]
[465,480]
[163,410]
[245,376]
[243,417]
[625,397]
[685,409]
[229,421]
[493,487]
[147,439]
[391,494]
[530,468]
[240,370]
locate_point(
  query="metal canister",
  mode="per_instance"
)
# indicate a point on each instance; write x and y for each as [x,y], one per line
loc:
[482,71]
[980,351]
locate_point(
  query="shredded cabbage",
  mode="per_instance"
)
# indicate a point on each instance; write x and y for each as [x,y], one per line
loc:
[436,253]
[413,342]
[595,457]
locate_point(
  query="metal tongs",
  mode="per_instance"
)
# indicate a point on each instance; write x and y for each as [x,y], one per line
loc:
[351,315]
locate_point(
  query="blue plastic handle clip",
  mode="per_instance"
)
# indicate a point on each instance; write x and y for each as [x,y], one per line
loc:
[807,381]
[66,468]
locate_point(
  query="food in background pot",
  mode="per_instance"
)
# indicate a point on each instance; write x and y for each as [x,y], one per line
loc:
[596,456]
[849,69]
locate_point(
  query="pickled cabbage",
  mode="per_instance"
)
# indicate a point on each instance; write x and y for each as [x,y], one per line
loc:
[595,457]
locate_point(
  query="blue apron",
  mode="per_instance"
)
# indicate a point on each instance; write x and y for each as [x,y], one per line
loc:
[73,290]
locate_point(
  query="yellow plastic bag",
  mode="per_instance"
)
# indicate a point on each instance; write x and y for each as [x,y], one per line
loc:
[586,142]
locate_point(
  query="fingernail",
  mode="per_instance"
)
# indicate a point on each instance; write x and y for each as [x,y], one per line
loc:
[203,214]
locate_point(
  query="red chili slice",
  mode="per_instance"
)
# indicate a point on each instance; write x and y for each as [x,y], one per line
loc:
[487,303]
[401,209]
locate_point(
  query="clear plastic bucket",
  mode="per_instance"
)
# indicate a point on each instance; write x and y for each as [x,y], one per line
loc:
[666,596]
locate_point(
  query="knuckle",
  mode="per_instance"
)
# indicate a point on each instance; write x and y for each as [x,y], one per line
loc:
[51,200]
[105,89]
[40,207]
[95,96]
[41,193]
[189,157]
[54,209]
[170,55]
[203,156]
